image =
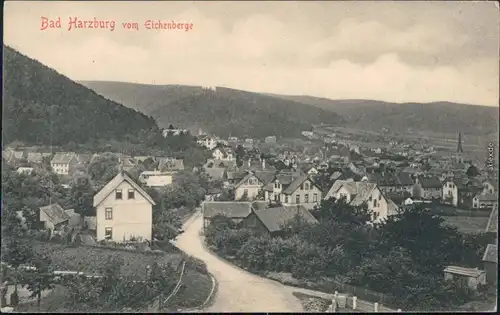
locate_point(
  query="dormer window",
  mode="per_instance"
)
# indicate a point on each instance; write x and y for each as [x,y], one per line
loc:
[118,194]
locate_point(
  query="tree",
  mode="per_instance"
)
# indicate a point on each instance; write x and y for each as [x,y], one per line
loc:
[340,211]
[16,252]
[240,155]
[472,171]
[104,168]
[82,196]
[166,224]
[40,279]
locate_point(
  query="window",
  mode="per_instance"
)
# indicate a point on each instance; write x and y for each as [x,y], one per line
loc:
[376,215]
[131,194]
[370,198]
[306,198]
[108,214]
[297,199]
[315,198]
[302,187]
[380,197]
[245,192]
[306,186]
[286,198]
[375,202]
[119,194]
[108,233]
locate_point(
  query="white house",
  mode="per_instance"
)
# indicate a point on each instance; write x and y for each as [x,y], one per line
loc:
[223,154]
[484,201]
[358,193]
[293,189]
[208,142]
[156,178]
[63,163]
[25,170]
[252,184]
[490,186]
[450,193]
[123,210]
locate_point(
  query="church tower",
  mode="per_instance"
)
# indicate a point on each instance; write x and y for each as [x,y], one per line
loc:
[460,150]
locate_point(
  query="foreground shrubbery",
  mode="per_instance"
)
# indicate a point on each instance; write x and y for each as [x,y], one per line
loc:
[403,257]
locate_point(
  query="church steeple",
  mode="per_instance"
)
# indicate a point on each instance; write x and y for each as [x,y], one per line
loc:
[459,146]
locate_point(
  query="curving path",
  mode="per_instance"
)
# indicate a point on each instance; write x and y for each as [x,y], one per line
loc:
[238,290]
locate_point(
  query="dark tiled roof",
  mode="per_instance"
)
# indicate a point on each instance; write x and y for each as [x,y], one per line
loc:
[295,184]
[55,213]
[274,218]
[430,182]
[215,173]
[170,164]
[265,176]
[404,179]
[492,226]
[230,209]
[491,253]
[63,157]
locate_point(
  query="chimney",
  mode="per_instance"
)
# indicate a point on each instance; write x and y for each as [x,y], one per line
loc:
[263,163]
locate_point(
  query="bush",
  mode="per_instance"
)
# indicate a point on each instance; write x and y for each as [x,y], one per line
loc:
[254,253]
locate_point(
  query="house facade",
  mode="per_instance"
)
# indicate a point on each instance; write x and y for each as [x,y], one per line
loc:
[63,163]
[249,186]
[427,187]
[359,193]
[293,189]
[123,210]
[223,154]
[484,201]
[208,142]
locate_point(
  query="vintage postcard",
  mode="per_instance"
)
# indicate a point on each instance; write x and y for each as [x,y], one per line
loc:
[216,156]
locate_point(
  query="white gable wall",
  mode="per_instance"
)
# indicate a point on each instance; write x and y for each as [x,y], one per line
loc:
[131,217]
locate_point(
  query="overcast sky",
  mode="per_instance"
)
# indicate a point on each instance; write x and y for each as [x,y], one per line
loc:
[391,51]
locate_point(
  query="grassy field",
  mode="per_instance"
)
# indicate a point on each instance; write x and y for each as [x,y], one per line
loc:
[91,259]
[194,291]
[466,224]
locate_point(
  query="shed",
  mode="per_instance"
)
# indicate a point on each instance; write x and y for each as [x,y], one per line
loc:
[471,277]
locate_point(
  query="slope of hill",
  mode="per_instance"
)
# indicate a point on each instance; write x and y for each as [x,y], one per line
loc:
[223,112]
[438,117]
[41,106]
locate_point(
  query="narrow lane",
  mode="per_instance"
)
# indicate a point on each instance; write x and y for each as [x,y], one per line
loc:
[238,290]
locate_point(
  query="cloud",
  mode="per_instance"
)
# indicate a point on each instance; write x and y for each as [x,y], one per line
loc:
[422,55]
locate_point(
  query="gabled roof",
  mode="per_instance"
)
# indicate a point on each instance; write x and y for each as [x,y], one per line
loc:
[274,218]
[215,173]
[360,190]
[244,179]
[265,176]
[492,226]
[170,164]
[491,253]
[63,157]
[55,213]
[84,157]
[404,179]
[429,182]
[112,184]
[487,197]
[469,272]
[296,184]
[34,157]
[230,209]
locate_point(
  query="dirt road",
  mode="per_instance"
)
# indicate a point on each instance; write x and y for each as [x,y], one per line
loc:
[238,290]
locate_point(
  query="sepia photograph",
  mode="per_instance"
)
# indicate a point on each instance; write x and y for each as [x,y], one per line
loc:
[250,156]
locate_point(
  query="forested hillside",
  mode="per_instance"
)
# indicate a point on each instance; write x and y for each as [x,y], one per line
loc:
[223,112]
[41,106]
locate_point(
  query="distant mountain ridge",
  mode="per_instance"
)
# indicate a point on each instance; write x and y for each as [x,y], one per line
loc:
[41,106]
[439,117]
[224,112]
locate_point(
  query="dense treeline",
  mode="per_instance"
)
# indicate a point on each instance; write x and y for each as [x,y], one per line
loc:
[223,112]
[402,258]
[43,107]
